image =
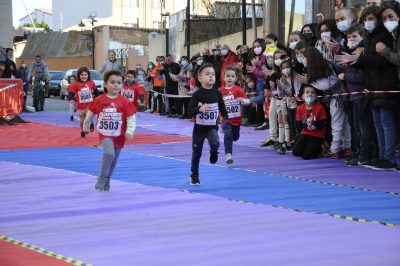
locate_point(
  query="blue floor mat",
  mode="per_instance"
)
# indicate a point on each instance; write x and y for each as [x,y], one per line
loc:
[221,181]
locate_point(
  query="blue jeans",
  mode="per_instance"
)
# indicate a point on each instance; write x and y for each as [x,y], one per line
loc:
[385,133]
[259,99]
[363,127]
[231,134]
[197,146]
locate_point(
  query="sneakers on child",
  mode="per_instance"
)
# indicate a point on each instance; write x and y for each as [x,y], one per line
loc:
[91,127]
[194,180]
[107,184]
[101,181]
[213,157]
[280,149]
[71,118]
[384,165]
[229,158]
[82,134]
[268,143]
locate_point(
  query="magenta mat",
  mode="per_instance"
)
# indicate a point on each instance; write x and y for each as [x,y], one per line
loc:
[140,225]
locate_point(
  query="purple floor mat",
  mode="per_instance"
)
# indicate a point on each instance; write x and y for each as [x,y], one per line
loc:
[139,225]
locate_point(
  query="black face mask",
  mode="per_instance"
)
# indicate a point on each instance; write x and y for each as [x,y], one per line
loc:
[308,35]
[217,57]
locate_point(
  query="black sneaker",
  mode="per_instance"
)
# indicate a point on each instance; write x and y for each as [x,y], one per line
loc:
[280,149]
[372,163]
[213,157]
[71,118]
[91,127]
[194,180]
[107,184]
[270,142]
[353,162]
[385,165]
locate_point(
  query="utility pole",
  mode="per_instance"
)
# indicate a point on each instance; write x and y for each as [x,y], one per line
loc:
[292,9]
[30,17]
[188,29]
[254,19]
[244,23]
[92,17]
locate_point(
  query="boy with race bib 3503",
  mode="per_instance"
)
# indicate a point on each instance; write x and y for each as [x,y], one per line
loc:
[233,97]
[116,122]
[205,105]
[85,91]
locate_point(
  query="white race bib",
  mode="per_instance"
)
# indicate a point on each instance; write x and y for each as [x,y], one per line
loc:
[233,108]
[85,95]
[209,117]
[110,122]
[130,94]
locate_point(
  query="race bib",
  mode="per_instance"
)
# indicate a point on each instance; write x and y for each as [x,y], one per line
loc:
[233,108]
[110,122]
[130,94]
[209,117]
[85,95]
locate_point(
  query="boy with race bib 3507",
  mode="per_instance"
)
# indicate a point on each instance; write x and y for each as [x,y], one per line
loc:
[233,97]
[85,90]
[205,105]
[116,123]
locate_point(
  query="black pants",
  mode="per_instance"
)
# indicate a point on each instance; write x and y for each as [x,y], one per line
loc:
[307,147]
[197,147]
[158,102]
[173,103]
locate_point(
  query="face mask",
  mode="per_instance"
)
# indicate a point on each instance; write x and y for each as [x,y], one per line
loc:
[200,62]
[309,100]
[257,50]
[343,25]
[369,25]
[23,65]
[269,63]
[150,67]
[140,73]
[250,85]
[278,62]
[300,59]
[184,63]
[162,62]
[391,25]
[131,80]
[308,35]
[224,52]
[326,36]
[286,71]
[292,45]
[353,44]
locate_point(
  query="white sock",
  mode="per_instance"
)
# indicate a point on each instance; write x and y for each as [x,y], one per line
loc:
[71,109]
[287,133]
[281,133]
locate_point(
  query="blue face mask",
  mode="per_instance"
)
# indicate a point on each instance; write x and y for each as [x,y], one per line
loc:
[309,100]
[130,81]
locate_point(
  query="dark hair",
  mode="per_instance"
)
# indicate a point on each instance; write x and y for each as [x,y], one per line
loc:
[356,28]
[108,74]
[273,37]
[80,70]
[38,56]
[9,49]
[301,45]
[263,47]
[184,57]
[151,63]
[311,26]
[69,78]
[284,56]
[207,65]
[391,4]
[317,66]
[376,11]
[331,25]
[238,47]
[192,72]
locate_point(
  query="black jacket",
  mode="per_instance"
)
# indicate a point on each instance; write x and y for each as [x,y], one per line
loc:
[380,75]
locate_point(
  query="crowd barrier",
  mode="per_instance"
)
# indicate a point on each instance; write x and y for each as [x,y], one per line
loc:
[11,101]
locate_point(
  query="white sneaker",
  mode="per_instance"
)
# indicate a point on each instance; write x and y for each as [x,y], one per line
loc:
[229,158]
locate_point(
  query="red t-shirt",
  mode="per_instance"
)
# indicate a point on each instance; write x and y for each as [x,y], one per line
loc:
[83,93]
[316,113]
[112,115]
[232,105]
[131,92]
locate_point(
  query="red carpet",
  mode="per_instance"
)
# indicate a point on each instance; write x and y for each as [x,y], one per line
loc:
[42,135]
[13,255]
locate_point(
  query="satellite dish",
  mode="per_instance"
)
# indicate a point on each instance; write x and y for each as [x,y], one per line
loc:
[153,35]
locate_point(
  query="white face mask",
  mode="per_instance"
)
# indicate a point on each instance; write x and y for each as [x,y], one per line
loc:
[326,36]
[278,62]
[292,45]
[300,59]
[353,43]
[224,52]
[257,50]
[286,71]
[200,62]
[369,25]
[23,65]
[184,63]
[391,25]
[343,25]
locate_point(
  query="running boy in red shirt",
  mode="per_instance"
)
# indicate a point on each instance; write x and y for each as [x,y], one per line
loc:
[116,122]
[233,97]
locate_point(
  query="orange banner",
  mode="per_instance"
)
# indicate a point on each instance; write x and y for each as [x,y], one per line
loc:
[11,97]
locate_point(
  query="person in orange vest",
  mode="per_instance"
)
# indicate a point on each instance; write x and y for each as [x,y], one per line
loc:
[158,86]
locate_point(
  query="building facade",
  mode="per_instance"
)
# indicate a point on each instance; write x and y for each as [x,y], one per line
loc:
[40,15]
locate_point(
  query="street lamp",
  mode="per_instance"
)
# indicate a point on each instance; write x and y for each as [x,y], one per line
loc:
[92,17]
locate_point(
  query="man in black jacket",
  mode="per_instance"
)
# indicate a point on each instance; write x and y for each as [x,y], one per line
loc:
[11,68]
[171,86]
